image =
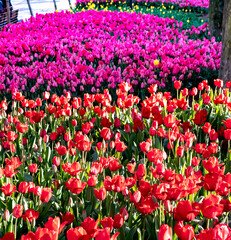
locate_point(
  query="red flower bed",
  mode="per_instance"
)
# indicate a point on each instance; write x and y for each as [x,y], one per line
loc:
[91,168]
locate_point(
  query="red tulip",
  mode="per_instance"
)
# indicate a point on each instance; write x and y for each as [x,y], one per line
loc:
[107,223]
[184,232]
[77,233]
[141,171]
[221,232]
[92,180]
[56,161]
[177,84]
[124,212]
[86,128]
[136,197]
[17,211]
[8,236]
[101,193]
[23,187]
[218,83]
[28,236]
[46,195]
[147,205]
[8,189]
[211,206]
[62,150]
[118,221]
[227,134]
[30,214]
[21,127]
[170,121]
[104,234]
[44,233]
[180,151]
[145,146]
[156,156]
[165,232]
[9,171]
[127,128]
[207,127]
[53,224]
[227,123]
[120,146]
[200,117]
[68,218]
[114,164]
[75,185]
[90,225]
[33,167]
[186,211]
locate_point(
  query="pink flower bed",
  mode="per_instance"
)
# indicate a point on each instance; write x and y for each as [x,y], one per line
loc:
[91,50]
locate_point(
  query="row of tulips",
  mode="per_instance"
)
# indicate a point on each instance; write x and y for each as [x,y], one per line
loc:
[91,50]
[93,168]
[184,3]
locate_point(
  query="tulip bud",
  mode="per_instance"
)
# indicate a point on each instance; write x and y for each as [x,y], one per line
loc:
[56,161]
[35,148]
[24,141]
[196,107]
[180,151]
[127,128]
[46,138]
[4,114]
[124,212]
[125,192]
[6,215]
[74,122]
[6,123]
[40,141]
[70,202]
[55,169]
[14,104]
[160,169]
[40,159]
[152,131]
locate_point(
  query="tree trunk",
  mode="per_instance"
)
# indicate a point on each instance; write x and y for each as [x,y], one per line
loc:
[225,66]
[55,5]
[69,3]
[29,6]
[215,17]
[8,11]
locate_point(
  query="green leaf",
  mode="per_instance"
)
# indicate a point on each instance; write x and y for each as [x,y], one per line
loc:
[130,232]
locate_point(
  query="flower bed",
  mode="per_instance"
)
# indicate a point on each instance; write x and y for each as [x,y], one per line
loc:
[94,169]
[184,3]
[189,16]
[88,51]
[180,3]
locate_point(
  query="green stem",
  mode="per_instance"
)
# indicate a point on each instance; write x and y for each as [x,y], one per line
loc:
[77,209]
[15,229]
[208,222]
[143,234]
